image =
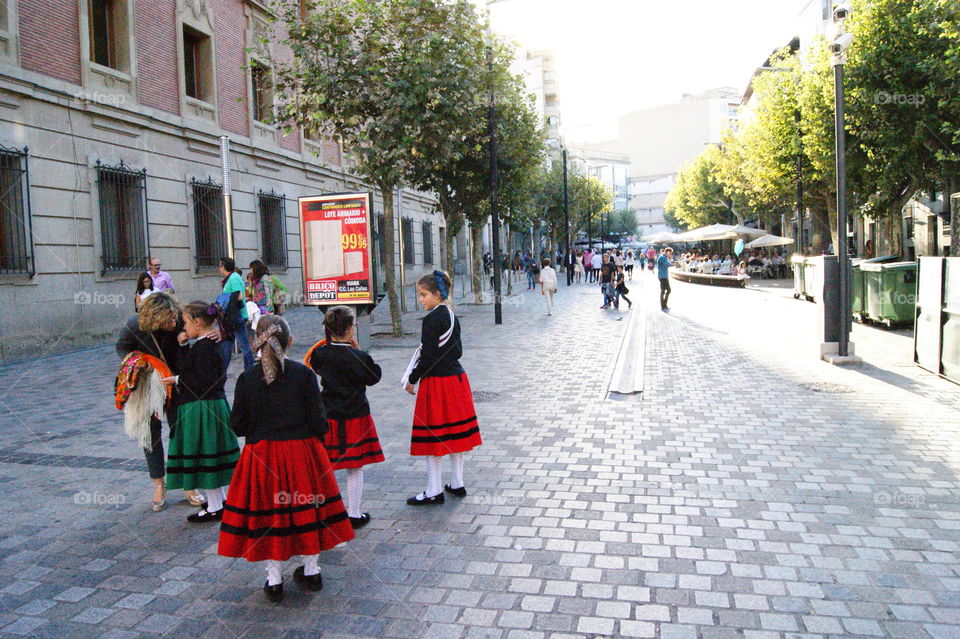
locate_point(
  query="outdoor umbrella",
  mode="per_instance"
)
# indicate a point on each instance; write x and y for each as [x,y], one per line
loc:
[769,240]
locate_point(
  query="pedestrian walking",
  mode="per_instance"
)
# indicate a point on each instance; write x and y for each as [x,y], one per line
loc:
[606,287]
[444,419]
[161,279]
[628,263]
[578,267]
[533,270]
[588,265]
[651,258]
[284,499]
[345,372]
[233,302]
[203,449]
[596,261]
[663,273]
[548,284]
[152,333]
[620,289]
[569,265]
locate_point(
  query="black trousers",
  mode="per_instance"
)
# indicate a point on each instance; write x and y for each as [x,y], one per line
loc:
[156,460]
[664,291]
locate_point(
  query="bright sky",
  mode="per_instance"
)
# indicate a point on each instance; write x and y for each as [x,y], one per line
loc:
[615,56]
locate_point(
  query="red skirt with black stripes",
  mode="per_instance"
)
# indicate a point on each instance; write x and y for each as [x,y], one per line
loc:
[283,501]
[352,443]
[444,419]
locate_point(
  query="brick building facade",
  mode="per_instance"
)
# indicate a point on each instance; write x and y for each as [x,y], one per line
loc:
[110,117]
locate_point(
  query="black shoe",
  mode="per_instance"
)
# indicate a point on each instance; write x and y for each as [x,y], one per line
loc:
[456,492]
[423,500]
[205,515]
[361,521]
[274,593]
[313,582]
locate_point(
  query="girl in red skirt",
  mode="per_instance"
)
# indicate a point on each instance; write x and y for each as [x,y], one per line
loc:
[345,372]
[283,500]
[444,420]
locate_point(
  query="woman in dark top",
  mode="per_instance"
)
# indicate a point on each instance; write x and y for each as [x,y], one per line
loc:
[284,499]
[203,449]
[345,372]
[154,331]
[444,419]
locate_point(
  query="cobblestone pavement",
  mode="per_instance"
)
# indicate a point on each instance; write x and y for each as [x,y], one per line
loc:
[751,492]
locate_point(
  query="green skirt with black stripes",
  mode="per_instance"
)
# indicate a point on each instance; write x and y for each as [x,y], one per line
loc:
[203,449]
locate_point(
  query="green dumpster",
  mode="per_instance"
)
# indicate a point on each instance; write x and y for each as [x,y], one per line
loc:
[890,292]
[856,290]
[811,267]
[798,282]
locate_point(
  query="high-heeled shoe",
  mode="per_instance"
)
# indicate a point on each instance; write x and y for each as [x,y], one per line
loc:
[160,504]
[196,499]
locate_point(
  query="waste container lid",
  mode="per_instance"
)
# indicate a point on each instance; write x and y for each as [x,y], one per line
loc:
[883,259]
[874,267]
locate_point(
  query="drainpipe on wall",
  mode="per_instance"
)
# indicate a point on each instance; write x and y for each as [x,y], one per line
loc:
[227,207]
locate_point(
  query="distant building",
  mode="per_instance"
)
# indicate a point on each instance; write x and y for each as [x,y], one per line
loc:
[540,75]
[661,140]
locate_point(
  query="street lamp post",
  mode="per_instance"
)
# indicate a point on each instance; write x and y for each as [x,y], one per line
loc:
[839,49]
[566,221]
[494,180]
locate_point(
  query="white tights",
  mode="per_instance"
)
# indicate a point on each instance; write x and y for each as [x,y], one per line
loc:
[215,498]
[434,480]
[354,491]
[274,567]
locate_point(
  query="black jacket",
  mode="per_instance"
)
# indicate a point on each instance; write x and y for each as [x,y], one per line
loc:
[434,360]
[345,373]
[289,408]
[201,372]
[133,339]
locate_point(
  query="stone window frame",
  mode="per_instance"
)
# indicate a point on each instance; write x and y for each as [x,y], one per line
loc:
[9,33]
[102,84]
[197,15]
[259,50]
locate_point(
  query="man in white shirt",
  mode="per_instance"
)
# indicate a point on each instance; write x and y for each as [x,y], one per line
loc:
[548,284]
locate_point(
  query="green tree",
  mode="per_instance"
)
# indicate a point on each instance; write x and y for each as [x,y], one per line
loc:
[699,196]
[902,101]
[377,75]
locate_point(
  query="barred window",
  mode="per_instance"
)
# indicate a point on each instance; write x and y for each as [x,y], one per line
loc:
[123,217]
[16,244]
[427,242]
[262,92]
[209,224]
[273,223]
[406,234]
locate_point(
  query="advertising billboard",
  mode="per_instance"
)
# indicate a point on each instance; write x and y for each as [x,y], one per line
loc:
[336,242]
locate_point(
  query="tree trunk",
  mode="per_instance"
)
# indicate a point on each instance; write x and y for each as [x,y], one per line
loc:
[476,258]
[509,273]
[450,266]
[389,268]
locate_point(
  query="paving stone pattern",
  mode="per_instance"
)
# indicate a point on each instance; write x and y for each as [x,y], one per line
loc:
[738,497]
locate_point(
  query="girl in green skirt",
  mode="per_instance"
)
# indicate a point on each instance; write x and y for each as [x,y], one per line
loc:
[203,449]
